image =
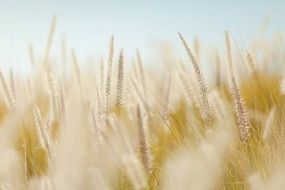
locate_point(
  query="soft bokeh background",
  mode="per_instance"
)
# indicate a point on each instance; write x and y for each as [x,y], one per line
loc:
[88,24]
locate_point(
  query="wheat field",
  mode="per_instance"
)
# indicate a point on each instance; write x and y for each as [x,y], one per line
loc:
[122,124]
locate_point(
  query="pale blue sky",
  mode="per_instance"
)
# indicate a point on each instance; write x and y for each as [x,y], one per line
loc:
[89,24]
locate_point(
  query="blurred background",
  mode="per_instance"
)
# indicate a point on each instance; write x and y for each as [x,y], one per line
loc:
[87,25]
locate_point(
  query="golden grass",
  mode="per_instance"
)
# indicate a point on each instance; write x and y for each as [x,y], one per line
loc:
[124,130]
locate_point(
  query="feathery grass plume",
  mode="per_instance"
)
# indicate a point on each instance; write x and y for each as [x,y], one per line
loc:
[219,105]
[42,132]
[63,51]
[240,110]
[50,39]
[97,130]
[102,77]
[134,171]
[190,97]
[12,84]
[31,54]
[166,99]
[119,130]
[207,112]
[76,67]
[251,63]
[52,91]
[229,54]
[197,48]
[6,92]
[29,87]
[268,124]
[241,113]
[120,81]
[218,69]
[62,102]
[25,161]
[109,73]
[144,149]
[141,72]
[141,96]
[99,101]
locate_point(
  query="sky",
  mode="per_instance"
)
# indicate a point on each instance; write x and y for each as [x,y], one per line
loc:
[88,25]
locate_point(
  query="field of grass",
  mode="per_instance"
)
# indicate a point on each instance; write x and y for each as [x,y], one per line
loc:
[113,126]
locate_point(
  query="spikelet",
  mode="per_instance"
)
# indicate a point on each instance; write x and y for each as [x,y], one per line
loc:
[43,135]
[120,81]
[109,73]
[207,112]
[144,149]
